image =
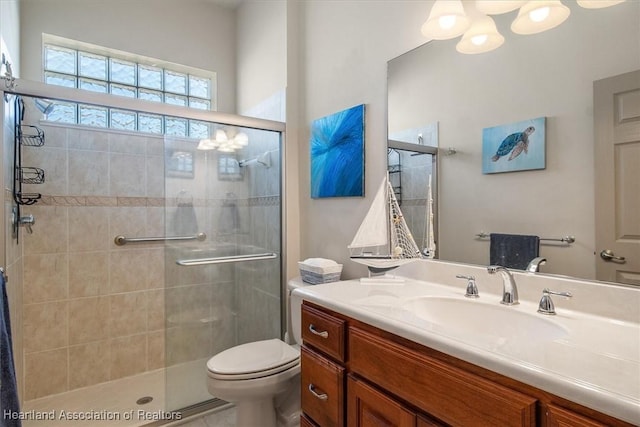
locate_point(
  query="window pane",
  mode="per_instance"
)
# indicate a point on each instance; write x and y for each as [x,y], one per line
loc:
[175,99]
[121,119]
[149,123]
[63,112]
[94,66]
[201,104]
[176,127]
[123,71]
[59,59]
[59,80]
[199,87]
[150,77]
[93,116]
[150,95]
[93,85]
[120,90]
[175,82]
[198,129]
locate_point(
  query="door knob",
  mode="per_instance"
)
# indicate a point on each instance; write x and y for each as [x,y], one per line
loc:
[608,255]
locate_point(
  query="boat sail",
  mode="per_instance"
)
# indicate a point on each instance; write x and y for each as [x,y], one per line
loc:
[384,241]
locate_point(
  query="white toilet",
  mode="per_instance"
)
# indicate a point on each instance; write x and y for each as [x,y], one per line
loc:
[257,376]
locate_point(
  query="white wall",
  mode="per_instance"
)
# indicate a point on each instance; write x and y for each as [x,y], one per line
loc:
[195,33]
[344,52]
[261,51]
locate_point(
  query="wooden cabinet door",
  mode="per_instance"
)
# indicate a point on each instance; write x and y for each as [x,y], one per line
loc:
[367,407]
[560,417]
[322,393]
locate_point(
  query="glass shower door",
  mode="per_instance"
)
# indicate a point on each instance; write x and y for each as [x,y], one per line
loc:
[222,284]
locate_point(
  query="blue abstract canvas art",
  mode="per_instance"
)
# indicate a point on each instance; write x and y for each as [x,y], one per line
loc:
[514,147]
[337,154]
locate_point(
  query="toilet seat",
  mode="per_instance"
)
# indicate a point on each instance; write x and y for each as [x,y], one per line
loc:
[253,360]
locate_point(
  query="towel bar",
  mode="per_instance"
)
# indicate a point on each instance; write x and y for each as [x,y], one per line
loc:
[567,239]
[121,240]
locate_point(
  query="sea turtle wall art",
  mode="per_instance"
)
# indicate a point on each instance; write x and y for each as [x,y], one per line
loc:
[514,147]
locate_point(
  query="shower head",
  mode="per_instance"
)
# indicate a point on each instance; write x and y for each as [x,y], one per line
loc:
[263,159]
[43,105]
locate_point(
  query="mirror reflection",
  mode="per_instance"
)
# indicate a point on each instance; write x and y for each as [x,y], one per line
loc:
[548,75]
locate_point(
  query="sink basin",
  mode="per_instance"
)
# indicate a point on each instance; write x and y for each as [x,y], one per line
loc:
[489,325]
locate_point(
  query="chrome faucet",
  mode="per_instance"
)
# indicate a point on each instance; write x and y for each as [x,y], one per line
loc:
[472,288]
[534,264]
[509,289]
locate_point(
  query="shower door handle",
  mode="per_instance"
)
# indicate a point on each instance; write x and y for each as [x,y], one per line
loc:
[226,259]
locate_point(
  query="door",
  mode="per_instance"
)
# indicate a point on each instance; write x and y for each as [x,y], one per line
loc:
[617,175]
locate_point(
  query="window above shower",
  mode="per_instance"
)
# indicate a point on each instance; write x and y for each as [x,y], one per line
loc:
[89,67]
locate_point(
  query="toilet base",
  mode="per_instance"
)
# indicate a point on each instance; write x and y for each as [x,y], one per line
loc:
[256,413]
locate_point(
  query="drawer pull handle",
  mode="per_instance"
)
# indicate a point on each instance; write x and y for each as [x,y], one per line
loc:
[322,396]
[323,334]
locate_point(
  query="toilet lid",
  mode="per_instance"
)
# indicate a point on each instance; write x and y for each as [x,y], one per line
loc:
[254,359]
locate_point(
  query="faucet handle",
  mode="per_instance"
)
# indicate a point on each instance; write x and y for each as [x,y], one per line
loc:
[546,303]
[472,289]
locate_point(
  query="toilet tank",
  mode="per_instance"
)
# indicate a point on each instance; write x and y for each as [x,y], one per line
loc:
[294,316]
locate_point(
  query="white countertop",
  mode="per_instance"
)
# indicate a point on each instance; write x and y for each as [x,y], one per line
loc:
[596,363]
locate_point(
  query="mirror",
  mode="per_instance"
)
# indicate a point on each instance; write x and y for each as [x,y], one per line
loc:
[548,75]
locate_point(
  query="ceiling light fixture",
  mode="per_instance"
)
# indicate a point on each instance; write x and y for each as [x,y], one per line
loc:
[483,36]
[450,18]
[540,15]
[447,20]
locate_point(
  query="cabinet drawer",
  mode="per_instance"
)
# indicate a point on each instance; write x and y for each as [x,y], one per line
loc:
[446,392]
[560,417]
[324,332]
[322,394]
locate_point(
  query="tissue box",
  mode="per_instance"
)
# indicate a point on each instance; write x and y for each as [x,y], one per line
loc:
[317,275]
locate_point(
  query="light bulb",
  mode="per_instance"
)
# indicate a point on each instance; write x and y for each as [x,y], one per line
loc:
[540,14]
[447,21]
[479,40]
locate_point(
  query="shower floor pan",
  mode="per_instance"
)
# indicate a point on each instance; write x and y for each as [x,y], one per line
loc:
[115,403]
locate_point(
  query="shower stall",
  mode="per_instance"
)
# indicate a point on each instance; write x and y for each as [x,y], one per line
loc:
[150,241]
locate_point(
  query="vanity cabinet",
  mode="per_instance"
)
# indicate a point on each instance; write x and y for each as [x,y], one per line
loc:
[356,375]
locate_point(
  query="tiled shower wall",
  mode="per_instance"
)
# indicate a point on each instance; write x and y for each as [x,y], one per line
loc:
[92,311]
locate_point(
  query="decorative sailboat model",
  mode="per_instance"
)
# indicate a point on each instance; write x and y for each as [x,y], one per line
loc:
[383,241]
